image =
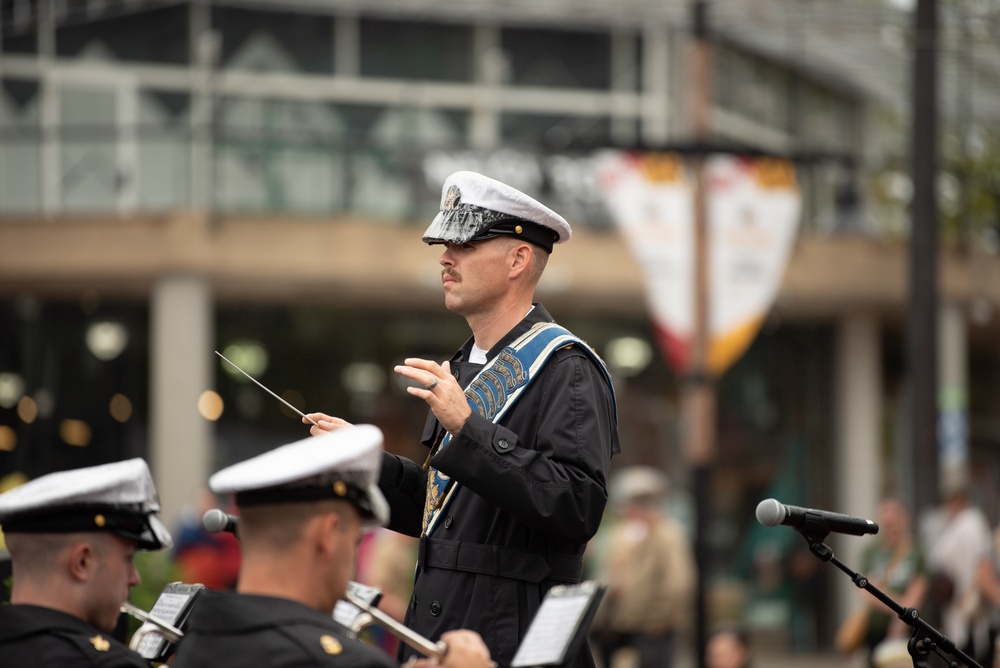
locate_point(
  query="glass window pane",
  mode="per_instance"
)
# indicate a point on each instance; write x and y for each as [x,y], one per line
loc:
[164,150]
[403,50]
[272,41]
[154,35]
[563,59]
[19,147]
[555,132]
[89,176]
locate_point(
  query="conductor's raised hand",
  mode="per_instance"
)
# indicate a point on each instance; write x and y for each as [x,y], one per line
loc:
[439,389]
[324,423]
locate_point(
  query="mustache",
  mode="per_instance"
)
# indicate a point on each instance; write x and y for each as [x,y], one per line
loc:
[453,274]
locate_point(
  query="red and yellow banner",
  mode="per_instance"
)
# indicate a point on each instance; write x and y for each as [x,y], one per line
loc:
[752,208]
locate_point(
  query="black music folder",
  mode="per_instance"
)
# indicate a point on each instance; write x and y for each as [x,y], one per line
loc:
[560,628]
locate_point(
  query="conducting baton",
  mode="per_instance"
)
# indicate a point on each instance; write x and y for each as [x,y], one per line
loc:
[264,387]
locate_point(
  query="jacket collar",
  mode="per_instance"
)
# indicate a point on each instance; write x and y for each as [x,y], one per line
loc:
[536,315]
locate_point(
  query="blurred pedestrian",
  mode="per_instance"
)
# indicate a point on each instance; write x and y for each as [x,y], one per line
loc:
[988,578]
[386,561]
[896,565]
[728,648]
[202,556]
[954,558]
[649,571]
[72,536]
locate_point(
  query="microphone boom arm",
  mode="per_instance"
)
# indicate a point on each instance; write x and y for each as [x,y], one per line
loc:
[924,639]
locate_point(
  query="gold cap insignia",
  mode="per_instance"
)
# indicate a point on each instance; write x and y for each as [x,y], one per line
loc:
[330,645]
[452,198]
[518,229]
[340,488]
[99,643]
[99,520]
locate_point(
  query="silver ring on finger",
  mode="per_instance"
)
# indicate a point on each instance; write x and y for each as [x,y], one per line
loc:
[432,385]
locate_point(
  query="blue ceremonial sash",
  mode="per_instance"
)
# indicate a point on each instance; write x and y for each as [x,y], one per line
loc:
[495,389]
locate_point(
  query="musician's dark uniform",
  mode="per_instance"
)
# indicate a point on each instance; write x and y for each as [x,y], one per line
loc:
[533,491]
[31,635]
[242,630]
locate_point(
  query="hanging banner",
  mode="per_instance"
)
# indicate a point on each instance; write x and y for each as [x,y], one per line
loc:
[752,207]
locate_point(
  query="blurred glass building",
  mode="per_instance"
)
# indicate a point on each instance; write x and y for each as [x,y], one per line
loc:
[252,177]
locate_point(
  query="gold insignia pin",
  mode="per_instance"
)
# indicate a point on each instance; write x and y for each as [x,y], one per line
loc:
[518,229]
[99,643]
[330,645]
[99,520]
[340,488]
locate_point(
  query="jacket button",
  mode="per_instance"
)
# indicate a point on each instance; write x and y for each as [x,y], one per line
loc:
[447,522]
[503,444]
[435,608]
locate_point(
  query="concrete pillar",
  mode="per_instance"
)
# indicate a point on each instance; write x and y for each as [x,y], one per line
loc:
[858,457]
[181,340]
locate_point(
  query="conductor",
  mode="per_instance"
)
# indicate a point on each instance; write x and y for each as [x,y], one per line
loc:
[521,430]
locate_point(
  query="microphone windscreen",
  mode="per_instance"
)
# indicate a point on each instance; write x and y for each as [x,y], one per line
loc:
[770,513]
[214,520]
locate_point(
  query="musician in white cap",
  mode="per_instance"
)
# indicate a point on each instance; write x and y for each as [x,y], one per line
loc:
[302,510]
[72,536]
[521,430]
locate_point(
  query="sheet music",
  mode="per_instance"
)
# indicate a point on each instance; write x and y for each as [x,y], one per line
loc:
[551,631]
[168,608]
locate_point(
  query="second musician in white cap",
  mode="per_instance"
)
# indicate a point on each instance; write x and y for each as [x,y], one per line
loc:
[302,510]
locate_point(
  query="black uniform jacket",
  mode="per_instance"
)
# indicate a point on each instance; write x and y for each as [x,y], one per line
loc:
[242,630]
[34,636]
[533,490]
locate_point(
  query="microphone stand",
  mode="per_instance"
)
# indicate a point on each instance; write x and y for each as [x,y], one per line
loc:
[924,638]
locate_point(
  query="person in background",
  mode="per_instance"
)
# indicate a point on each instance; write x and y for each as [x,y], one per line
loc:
[72,536]
[895,564]
[521,431]
[386,561]
[955,554]
[728,648]
[988,579]
[302,510]
[202,556]
[649,571]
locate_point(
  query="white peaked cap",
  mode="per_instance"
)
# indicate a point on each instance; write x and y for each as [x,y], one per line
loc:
[118,497]
[340,464]
[476,206]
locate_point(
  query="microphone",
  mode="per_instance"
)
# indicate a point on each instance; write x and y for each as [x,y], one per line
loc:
[216,521]
[770,513]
